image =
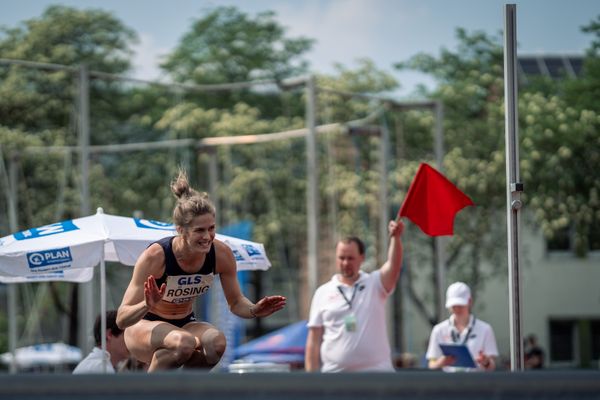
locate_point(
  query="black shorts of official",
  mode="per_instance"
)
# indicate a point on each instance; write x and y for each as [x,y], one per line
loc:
[180,323]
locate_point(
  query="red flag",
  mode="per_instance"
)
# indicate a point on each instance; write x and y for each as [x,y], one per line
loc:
[432,202]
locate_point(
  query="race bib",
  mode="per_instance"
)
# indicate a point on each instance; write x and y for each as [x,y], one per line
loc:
[184,288]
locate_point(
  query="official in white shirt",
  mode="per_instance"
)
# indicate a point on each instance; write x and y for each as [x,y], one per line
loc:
[347,329]
[462,328]
[116,351]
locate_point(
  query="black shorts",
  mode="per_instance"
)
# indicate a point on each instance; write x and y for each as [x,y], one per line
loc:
[180,323]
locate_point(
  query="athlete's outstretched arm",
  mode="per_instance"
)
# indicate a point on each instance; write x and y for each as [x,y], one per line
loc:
[238,303]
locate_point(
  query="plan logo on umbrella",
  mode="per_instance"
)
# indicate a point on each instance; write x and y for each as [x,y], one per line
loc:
[50,259]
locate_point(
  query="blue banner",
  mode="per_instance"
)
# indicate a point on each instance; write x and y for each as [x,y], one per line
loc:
[53,229]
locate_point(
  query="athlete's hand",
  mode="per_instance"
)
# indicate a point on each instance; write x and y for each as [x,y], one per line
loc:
[152,293]
[267,306]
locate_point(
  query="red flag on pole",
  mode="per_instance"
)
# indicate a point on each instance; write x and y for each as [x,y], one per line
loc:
[432,202]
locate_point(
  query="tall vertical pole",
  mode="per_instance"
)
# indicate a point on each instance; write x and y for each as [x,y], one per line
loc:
[213,180]
[513,186]
[86,311]
[12,287]
[311,185]
[84,137]
[384,214]
[214,310]
[103,306]
[439,243]
[384,204]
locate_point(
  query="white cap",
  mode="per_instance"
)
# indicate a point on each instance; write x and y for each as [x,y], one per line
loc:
[458,294]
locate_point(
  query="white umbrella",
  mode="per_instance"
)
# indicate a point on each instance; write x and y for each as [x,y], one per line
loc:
[43,354]
[80,244]
[85,242]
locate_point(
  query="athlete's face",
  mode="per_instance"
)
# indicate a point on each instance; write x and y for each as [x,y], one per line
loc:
[200,233]
[348,261]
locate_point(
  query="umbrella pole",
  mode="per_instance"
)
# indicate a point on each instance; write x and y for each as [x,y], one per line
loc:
[11,182]
[103,310]
[12,326]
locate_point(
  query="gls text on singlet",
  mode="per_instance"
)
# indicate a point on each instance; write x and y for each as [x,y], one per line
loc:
[183,287]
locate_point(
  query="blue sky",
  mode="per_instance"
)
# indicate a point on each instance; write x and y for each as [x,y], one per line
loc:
[386,31]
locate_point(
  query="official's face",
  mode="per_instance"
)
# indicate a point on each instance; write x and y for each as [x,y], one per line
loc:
[460,311]
[348,260]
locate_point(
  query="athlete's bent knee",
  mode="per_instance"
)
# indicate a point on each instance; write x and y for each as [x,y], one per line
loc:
[183,346]
[219,344]
[214,344]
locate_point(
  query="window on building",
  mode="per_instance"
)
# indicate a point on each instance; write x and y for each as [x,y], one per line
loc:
[562,346]
[575,342]
[563,239]
[595,336]
[594,238]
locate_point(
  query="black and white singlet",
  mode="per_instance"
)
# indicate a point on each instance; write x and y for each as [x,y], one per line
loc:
[182,286]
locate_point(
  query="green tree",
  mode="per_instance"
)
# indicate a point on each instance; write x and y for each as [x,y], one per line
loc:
[583,92]
[470,87]
[350,170]
[62,35]
[38,107]
[556,167]
[227,45]
[262,183]
[42,103]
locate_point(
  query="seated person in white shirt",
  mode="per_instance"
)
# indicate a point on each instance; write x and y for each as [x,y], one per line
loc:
[462,328]
[116,351]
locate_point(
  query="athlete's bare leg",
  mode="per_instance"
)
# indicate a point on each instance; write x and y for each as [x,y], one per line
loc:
[211,347]
[160,344]
[164,346]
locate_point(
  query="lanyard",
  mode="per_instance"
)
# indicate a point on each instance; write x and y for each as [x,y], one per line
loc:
[349,302]
[456,335]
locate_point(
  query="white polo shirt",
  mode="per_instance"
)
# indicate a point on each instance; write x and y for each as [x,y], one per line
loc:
[92,364]
[366,348]
[480,338]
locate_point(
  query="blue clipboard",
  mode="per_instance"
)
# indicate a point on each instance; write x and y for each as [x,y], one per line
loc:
[460,352]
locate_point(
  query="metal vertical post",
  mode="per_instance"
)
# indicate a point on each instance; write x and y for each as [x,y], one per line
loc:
[384,204]
[384,211]
[513,186]
[103,306]
[12,324]
[12,287]
[84,137]
[213,180]
[439,243]
[86,311]
[311,185]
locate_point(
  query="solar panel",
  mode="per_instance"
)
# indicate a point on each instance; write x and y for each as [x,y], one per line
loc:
[552,66]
